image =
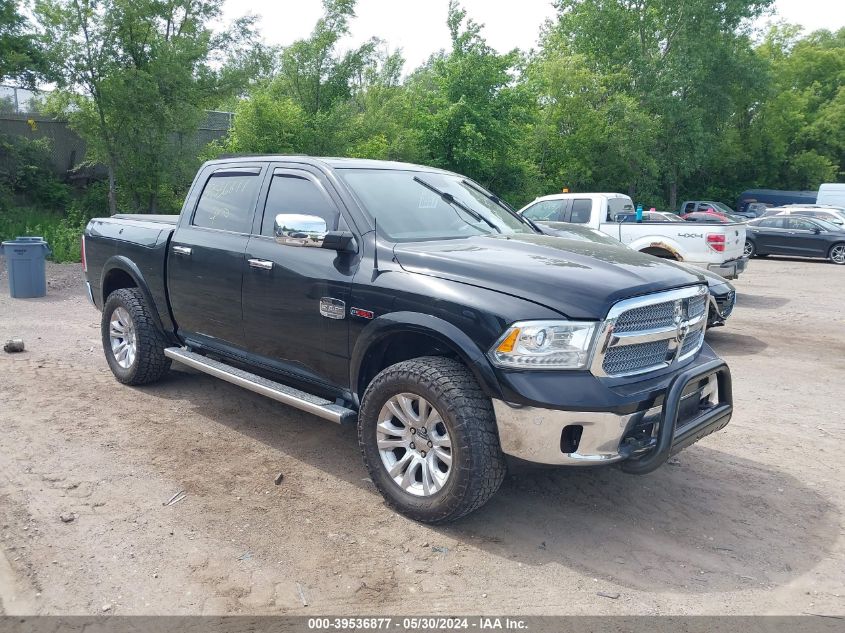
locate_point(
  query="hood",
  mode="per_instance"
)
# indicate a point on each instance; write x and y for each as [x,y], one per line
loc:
[581,280]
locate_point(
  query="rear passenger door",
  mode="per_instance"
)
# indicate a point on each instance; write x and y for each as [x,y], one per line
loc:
[205,261]
[770,236]
[579,211]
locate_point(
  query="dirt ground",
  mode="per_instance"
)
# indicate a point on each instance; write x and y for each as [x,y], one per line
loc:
[747,521]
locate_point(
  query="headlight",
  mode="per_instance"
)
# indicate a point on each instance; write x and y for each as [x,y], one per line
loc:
[545,345]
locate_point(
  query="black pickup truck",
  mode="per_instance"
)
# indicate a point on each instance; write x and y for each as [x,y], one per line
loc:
[416,304]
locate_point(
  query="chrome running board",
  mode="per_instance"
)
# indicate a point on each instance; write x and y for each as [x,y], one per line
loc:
[301,400]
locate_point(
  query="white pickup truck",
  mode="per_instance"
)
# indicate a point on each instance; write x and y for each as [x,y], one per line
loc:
[715,247]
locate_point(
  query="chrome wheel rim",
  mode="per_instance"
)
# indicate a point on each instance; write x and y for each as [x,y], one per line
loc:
[748,249]
[837,254]
[414,444]
[122,337]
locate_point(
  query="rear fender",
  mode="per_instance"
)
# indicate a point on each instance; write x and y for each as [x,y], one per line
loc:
[122,263]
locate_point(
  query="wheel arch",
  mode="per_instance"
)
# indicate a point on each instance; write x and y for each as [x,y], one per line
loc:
[658,247]
[832,246]
[399,336]
[121,272]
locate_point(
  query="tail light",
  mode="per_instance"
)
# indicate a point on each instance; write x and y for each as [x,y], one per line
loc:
[82,252]
[716,241]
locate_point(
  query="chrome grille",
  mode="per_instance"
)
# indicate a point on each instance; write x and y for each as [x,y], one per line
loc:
[636,357]
[692,342]
[696,306]
[651,332]
[646,317]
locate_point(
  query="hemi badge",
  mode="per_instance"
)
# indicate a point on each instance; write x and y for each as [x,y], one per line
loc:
[364,314]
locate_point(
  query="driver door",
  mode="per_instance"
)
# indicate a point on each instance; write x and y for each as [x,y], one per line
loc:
[286,287]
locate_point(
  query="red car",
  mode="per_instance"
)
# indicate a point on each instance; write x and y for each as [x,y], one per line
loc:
[708,215]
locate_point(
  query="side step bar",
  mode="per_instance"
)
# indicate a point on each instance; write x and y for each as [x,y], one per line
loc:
[315,405]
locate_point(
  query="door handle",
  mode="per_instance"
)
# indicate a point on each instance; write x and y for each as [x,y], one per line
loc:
[181,250]
[261,264]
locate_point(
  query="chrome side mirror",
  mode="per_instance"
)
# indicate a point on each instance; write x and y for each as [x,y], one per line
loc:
[294,229]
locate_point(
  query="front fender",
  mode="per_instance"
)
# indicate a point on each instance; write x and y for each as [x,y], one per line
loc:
[414,322]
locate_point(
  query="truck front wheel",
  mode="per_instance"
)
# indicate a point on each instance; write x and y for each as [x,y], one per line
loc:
[428,436]
[133,344]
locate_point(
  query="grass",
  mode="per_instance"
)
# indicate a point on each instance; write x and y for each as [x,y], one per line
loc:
[62,231]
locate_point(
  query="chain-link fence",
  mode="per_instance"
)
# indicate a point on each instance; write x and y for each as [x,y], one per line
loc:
[18,100]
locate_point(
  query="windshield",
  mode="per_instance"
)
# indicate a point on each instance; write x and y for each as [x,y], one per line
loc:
[408,207]
[722,208]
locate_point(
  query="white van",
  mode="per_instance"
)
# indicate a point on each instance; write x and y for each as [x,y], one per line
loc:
[832,193]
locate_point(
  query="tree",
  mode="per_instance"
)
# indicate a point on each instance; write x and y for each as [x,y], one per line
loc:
[21,56]
[135,76]
[681,63]
[470,112]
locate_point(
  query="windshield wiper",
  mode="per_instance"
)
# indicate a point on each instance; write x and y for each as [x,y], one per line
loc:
[502,203]
[450,199]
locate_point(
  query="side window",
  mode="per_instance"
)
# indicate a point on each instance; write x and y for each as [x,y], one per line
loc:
[549,210]
[771,223]
[689,207]
[297,194]
[581,209]
[228,200]
[797,224]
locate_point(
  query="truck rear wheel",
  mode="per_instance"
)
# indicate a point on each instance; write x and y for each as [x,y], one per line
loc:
[428,436]
[133,344]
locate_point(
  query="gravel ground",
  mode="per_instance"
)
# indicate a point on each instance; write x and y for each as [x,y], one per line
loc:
[747,521]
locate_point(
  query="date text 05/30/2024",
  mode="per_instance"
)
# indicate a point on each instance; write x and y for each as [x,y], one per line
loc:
[417,623]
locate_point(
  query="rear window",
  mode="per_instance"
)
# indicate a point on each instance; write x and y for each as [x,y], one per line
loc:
[615,206]
[581,208]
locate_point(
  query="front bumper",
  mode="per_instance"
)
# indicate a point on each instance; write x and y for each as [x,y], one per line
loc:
[730,269]
[696,403]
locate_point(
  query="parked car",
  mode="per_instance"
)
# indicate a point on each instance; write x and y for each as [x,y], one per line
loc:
[649,216]
[694,206]
[831,193]
[717,247]
[722,292]
[774,197]
[833,215]
[795,235]
[755,209]
[713,216]
[411,302]
[706,216]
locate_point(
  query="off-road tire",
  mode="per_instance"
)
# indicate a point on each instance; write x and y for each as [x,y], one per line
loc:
[150,363]
[478,465]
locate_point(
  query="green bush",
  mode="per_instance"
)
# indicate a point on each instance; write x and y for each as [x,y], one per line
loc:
[62,232]
[25,170]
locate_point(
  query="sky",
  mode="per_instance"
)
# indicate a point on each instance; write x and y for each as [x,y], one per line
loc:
[418,27]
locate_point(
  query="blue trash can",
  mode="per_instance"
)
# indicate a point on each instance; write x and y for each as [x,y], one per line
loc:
[25,264]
